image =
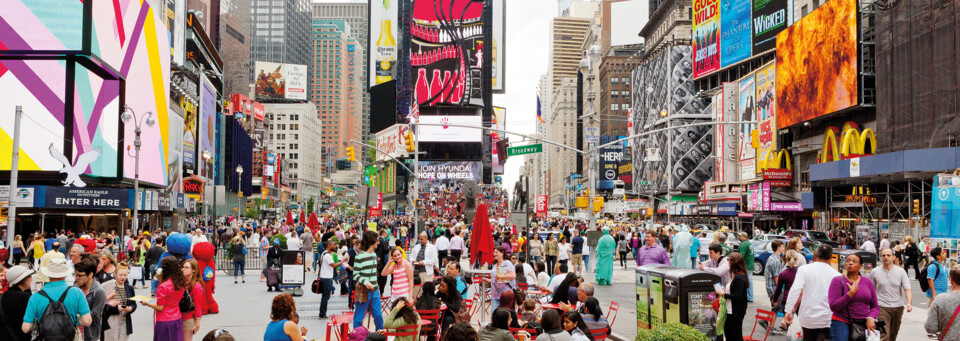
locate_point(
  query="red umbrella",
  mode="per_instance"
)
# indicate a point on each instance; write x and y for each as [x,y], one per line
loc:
[313,223]
[289,218]
[481,240]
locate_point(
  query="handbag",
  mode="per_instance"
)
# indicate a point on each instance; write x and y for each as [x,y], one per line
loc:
[362,294]
[858,328]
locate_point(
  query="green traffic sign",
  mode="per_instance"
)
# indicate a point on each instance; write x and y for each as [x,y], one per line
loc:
[338,188]
[528,149]
[643,183]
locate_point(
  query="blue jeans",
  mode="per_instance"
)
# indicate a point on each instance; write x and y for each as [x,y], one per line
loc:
[360,310]
[750,289]
[238,267]
[153,282]
[326,289]
[316,260]
[586,262]
[693,263]
[839,331]
[494,303]
[536,258]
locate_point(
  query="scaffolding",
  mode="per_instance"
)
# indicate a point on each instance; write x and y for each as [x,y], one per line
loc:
[873,204]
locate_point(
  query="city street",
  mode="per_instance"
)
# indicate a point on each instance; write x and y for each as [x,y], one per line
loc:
[245,307]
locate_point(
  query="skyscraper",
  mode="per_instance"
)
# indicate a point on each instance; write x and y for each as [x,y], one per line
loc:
[565,49]
[280,32]
[337,85]
[233,43]
[356,15]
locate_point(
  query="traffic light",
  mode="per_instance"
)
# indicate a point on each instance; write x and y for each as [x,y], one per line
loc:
[916,206]
[408,140]
[350,156]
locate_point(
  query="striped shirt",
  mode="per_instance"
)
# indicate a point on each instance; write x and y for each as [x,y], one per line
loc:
[401,286]
[365,269]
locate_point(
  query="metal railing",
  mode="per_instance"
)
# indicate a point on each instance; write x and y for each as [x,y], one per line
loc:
[253,260]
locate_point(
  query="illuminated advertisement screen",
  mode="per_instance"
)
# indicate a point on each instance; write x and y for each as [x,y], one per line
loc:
[280,81]
[734,31]
[706,37]
[766,113]
[812,86]
[382,41]
[437,133]
[208,125]
[446,52]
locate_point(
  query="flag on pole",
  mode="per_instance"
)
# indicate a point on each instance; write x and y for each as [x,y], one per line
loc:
[414,110]
[539,114]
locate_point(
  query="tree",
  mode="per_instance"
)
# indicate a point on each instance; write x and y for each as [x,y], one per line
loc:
[310,204]
[371,153]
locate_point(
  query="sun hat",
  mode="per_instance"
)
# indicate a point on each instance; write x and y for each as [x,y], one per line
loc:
[17,274]
[56,269]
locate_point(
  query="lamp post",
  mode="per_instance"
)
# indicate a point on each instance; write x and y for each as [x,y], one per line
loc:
[586,67]
[129,114]
[239,175]
[206,158]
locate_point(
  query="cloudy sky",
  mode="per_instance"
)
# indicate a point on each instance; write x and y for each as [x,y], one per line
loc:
[527,52]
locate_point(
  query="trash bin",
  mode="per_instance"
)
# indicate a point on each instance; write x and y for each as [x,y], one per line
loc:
[868,260]
[688,297]
[656,274]
[643,294]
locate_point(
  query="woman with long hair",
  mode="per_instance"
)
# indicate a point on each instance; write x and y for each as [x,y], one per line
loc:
[402,272]
[912,255]
[447,291]
[853,300]
[508,302]
[18,249]
[504,276]
[107,266]
[239,252]
[402,315]
[561,295]
[499,327]
[194,290]
[593,316]
[573,324]
[563,251]
[550,250]
[282,326]
[167,323]
[140,256]
[543,278]
[117,311]
[552,326]
[428,299]
[785,279]
[736,292]
[38,247]
[797,246]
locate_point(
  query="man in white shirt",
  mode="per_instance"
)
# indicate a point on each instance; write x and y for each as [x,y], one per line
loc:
[869,246]
[326,274]
[884,243]
[424,258]
[293,243]
[813,281]
[456,245]
[442,243]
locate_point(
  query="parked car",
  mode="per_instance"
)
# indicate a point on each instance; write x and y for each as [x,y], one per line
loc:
[768,237]
[817,236]
[762,251]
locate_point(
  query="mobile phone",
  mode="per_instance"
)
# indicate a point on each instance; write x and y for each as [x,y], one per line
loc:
[717,286]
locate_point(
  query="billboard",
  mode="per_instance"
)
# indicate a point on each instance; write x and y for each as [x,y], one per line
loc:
[725,135]
[447,133]
[706,37]
[611,157]
[123,43]
[746,112]
[770,17]
[735,32]
[382,41]
[812,86]
[190,128]
[446,52]
[499,122]
[391,141]
[766,113]
[207,125]
[499,46]
[175,17]
[436,173]
[277,81]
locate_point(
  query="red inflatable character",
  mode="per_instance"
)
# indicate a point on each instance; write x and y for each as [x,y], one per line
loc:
[203,253]
[88,245]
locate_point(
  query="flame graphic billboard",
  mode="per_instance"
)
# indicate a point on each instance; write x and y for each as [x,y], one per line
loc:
[817,64]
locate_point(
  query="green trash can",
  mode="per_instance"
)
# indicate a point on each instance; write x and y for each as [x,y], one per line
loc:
[688,297]
[657,313]
[643,295]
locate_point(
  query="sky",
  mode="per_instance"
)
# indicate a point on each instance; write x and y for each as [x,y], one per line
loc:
[527,54]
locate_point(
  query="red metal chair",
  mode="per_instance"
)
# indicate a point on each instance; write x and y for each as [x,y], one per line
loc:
[410,330]
[523,286]
[433,316]
[600,334]
[762,315]
[612,313]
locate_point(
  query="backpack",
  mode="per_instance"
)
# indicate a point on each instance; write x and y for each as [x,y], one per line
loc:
[55,324]
[186,302]
[924,285]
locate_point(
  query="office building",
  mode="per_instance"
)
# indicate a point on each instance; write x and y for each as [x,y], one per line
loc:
[293,133]
[356,16]
[337,86]
[280,32]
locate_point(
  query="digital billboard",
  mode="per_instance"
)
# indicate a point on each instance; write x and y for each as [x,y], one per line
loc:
[770,17]
[706,37]
[277,81]
[437,133]
[499,122]
[499,46]
[382,41]
[436,173]
[446,52]
[735,34]
[190,129]
[207,123]
[126,43]
[817,64]
[765,105]
[745,103]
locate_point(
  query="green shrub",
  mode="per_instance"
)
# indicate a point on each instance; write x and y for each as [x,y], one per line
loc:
[670,332]
[282,238]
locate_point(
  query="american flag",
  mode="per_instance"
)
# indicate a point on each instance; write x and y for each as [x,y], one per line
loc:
[414,110]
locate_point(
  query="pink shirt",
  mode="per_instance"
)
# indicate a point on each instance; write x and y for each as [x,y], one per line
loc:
[169,298]
[197,294]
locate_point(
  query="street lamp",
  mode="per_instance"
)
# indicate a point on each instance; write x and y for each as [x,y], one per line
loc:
[206,158]
[239,174]
[586,67]
[127,115]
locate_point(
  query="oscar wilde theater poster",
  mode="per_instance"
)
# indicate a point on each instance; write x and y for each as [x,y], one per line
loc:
[446,52]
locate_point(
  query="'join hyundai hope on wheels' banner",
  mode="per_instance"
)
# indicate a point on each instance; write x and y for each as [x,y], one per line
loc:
[438,173]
